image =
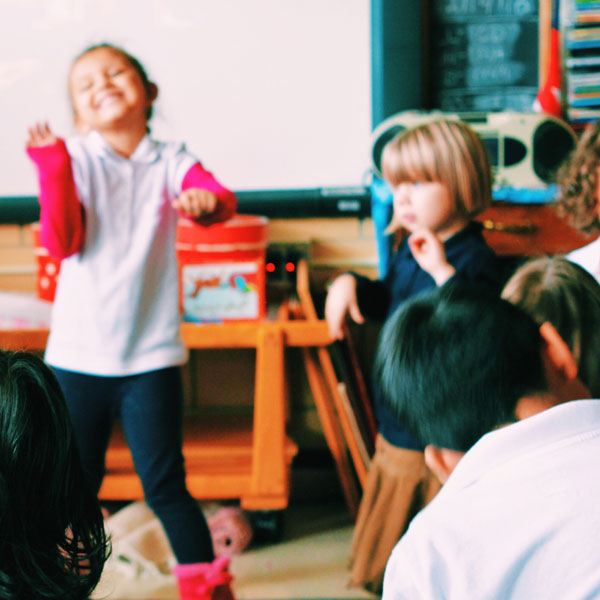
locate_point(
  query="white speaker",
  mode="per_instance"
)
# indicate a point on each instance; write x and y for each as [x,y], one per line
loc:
[525,149]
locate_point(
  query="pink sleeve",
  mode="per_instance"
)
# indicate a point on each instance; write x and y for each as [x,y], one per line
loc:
[61,212]
[198,177]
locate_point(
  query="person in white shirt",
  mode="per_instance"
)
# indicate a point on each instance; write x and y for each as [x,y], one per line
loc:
[110,201]
[510,430]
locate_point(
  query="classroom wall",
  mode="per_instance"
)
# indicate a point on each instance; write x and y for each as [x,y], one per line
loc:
[17,259]
[334,245]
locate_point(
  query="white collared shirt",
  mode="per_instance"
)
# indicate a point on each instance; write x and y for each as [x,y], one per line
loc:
[588,257]
[519,517]
[116,308]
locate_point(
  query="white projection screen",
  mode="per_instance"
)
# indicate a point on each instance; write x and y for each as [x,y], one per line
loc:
[269,94]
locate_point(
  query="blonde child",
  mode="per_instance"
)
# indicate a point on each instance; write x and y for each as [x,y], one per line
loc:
[441,178]
[561,292]
[110,199]
[578,181]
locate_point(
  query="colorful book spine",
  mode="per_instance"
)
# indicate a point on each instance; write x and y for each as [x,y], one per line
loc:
[581,93]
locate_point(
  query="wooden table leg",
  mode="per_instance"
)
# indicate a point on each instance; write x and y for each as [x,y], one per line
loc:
[269,482]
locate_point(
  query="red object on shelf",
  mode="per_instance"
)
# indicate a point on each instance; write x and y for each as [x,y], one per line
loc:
[548,98]
[48,268]
[222,269]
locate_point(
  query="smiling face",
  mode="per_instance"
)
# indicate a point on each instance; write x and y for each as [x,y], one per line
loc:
[108,93]
[427,205]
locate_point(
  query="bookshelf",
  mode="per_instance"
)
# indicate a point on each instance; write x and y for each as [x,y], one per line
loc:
[581,60]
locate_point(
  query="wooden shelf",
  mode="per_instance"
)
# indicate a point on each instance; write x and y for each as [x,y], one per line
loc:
[529,230]
[218,459]
[226,457]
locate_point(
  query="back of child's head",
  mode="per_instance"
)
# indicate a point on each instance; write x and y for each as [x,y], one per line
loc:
[52,538]
[556,290]
[578,182]
[453,363]
[445,151]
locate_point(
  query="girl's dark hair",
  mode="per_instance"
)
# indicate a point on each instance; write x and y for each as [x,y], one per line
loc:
[132,60]
[578,180]
[52,539]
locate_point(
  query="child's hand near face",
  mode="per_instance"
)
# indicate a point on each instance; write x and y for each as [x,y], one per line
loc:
[428,251]
[195,202]
[341,300]
[39,135]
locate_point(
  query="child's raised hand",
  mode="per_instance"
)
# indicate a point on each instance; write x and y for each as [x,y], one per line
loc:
[341,300]
[40,134]
[428,250]
[196,202]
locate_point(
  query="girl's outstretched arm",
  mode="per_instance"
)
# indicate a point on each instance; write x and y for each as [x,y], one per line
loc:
[61,212]
[204,199]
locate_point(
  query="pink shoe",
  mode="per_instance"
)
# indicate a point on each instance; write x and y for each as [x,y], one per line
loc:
[205,581]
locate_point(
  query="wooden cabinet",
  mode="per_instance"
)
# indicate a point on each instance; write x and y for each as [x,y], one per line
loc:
[529,230]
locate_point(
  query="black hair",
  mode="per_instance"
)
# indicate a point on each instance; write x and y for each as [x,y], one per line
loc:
[454,361]
[52,539]
[132,60]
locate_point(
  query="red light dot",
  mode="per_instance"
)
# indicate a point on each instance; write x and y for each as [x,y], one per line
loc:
[270,267]
[290,267]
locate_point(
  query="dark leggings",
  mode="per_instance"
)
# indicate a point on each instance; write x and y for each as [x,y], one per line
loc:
[150,407]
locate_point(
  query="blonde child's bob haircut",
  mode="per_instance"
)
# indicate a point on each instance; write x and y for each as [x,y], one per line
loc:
[445,151]
[553,289]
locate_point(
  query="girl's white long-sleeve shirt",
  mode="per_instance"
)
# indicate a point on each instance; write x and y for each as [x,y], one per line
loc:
[116,310]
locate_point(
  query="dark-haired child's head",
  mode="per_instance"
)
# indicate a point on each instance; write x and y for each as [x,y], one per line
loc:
[52,539]
[454,362]
[103,74]
[579,183]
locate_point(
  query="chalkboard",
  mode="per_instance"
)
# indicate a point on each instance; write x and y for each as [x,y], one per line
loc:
[269,94]
[484,54]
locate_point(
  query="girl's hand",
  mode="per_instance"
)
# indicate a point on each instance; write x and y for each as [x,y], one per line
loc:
[195,202]
[341,300]
[40,135]
[429,252]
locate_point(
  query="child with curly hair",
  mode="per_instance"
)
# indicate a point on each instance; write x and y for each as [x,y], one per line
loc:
[578,181]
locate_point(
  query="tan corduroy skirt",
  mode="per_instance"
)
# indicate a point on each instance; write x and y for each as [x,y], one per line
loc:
[398,486]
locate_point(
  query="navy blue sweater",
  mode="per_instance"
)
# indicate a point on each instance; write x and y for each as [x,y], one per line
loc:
[473,260]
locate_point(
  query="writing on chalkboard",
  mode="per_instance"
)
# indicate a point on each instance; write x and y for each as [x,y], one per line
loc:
[484,54]
[463,8]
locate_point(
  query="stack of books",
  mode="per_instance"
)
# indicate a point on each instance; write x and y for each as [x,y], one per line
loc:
[582,61]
